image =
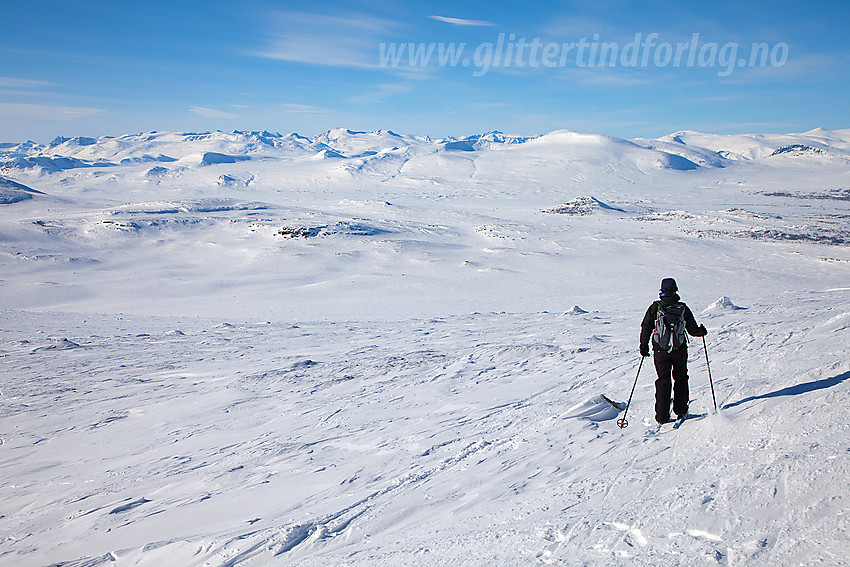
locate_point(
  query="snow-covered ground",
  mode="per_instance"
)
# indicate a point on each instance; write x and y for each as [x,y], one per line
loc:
[377,349]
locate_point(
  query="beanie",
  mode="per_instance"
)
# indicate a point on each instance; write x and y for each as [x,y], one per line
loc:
[668,286]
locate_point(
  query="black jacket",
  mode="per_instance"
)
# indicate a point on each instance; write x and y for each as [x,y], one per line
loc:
[647,326]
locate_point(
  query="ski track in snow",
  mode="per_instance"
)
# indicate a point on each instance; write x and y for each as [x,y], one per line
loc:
[361,349]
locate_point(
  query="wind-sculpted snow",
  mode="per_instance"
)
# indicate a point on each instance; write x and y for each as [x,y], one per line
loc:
[724,303]
[597,408]
[459,440]
[397,355]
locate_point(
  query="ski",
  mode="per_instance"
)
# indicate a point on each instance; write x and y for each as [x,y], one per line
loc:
[655,429]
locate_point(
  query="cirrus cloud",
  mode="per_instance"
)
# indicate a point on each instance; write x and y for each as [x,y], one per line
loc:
[330,40]
[302,108]
[47,112]
[211,112]
[461,21]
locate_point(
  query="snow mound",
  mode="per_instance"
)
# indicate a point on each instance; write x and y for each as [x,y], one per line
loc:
[581,206]
[344,228]
[147,158]
[692,154]
[797,150]
[573,138]
[598,408]
[156,171]
[327,153]
[214,158]
[229,181]
[722,304]
[459,146]
[676,162]
[64,344]
[575,310]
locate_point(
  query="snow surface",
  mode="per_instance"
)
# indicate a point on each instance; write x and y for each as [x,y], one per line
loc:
[367,348]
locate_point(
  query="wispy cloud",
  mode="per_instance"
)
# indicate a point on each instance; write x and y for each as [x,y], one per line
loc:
[379,94]
[606,78]
[302,108]
[47,112]
[18,83]
[212,112]
[331,40]
[720,99]
[461,21]
[19,87]
[800,67]
[488,105]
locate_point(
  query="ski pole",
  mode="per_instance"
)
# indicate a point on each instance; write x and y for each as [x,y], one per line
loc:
[710,381]
[622,423]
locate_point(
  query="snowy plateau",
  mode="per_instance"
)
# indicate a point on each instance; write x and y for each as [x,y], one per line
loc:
[366,348]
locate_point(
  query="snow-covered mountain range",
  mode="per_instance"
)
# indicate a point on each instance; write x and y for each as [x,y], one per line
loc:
[185,149]
[366,348]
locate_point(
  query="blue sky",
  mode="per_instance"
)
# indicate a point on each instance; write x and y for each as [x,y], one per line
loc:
[625,69]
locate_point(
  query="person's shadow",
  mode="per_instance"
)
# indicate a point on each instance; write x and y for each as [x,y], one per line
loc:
[796,390]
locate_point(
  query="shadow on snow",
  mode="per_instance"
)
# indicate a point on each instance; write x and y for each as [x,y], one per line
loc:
[796,390]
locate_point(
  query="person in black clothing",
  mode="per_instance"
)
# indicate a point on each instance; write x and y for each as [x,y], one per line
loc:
[672,364]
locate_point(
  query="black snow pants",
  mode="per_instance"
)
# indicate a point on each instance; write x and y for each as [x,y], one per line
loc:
[671,365]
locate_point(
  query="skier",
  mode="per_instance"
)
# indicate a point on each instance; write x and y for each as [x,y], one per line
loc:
[666,321]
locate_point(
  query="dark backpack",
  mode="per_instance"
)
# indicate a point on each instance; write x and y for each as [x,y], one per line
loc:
[669,331]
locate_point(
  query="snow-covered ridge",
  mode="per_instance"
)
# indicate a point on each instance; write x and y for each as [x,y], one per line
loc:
[682,150]
[819,141]
[14,192]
